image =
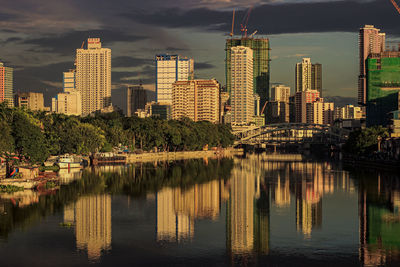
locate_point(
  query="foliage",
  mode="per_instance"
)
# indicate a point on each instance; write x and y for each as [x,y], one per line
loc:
[365,141]
[36,135]
[10,188]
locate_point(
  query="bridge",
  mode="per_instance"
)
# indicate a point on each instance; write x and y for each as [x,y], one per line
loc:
[290,133]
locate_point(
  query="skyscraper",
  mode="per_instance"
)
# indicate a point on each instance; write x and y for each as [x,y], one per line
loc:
[316,77]
[6,84]
[242,93]
[69,81]
[261,64]
[308,76]
[169,69]
[93,76]
[196,99]
[303,75]
[371,41]
[136,99]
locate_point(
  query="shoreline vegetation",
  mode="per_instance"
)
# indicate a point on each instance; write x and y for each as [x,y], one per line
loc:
[32,136]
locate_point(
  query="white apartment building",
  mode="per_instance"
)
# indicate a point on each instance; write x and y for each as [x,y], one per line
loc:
[280,93]
[93,76]
[348,112]
[69,103]
[242,93]
[320,112]
[303,75]
[69,81]
[169,69]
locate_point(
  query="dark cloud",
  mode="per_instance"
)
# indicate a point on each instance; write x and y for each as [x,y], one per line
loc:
[344,16]
[67,42]
[7,17]
[126,61]
[203,65]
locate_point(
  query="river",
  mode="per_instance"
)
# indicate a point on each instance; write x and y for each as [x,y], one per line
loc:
[207,212]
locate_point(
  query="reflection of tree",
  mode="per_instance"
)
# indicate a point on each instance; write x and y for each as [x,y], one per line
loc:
[135,180]
[379,218]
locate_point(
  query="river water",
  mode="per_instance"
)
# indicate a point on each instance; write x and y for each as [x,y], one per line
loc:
[215,212]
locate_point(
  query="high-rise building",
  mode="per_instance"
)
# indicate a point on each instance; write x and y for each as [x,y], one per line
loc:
[93,76]
[136,99]
[303,75]
[242,93]
[69,81]
[319,112]
[301,100]
[160,110]
[196,99]
[32,101]
[371,41]
[383,86]
[68,103]
[280,93]
[261,64]
[169,69]
[278,112]
[6,84]
[316,77]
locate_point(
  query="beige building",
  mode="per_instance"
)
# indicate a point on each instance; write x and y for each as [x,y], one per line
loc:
[67,103]
[348,112]
[196,99]
[242,93]
[32,101]
[93,76]
[320,112]
[280,93]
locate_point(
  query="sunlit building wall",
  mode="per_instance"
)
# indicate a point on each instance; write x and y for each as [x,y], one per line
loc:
[6,84]
[93,76]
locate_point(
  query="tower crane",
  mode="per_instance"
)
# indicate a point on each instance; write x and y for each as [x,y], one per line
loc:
[243,26]
[396,6]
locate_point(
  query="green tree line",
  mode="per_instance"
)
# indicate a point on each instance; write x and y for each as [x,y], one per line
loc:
[37,135]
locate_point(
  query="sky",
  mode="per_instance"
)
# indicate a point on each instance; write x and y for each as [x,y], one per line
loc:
[39,38]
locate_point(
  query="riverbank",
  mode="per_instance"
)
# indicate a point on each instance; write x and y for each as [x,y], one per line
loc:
[181,155]
[366,163]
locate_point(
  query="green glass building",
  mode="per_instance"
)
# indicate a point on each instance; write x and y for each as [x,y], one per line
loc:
[383,86]
[261,67]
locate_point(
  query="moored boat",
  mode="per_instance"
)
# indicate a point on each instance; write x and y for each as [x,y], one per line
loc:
[68,161]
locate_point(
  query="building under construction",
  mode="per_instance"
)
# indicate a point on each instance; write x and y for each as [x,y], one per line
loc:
[261,67]
[383,86]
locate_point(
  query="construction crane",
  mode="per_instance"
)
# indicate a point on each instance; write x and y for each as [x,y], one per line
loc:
[243,26]
[396,6]
[83,43]
[263,108]
[233,23]
[251,35]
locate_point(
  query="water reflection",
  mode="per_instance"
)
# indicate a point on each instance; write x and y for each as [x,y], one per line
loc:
[91,216]
[178,208]
[249,210]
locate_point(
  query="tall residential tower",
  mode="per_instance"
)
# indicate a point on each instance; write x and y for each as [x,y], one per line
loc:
[169,69]
[261,64]
[6,84]
[371,41]
[93,76]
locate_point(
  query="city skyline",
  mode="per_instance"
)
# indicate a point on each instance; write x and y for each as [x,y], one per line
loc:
[42,51]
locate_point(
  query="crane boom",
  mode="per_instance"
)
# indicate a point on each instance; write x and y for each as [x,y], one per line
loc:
[233,22]
[395,5]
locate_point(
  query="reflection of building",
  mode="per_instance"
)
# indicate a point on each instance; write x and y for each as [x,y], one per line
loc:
[92,218]
[248,210]
[177,209]
[282,192]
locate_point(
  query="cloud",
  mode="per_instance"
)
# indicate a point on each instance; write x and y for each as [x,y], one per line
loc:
[282,17]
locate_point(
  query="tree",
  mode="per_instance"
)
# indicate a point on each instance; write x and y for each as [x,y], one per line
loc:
[365,141]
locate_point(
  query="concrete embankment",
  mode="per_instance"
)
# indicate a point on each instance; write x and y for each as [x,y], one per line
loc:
[167,156]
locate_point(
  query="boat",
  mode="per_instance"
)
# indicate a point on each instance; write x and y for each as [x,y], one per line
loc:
[68,161]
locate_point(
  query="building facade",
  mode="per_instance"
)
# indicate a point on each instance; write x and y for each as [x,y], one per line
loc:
[69,81]
[196,99]
[302,98]
[93,76]
[319,112]
[371,41]
[68,103]
[348,112]
[383,86]
[32,101]
[6,84]
[136,98]
[303,75]
[261,64]
[316,77]
[169,69]
[280,93]
[242,93]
